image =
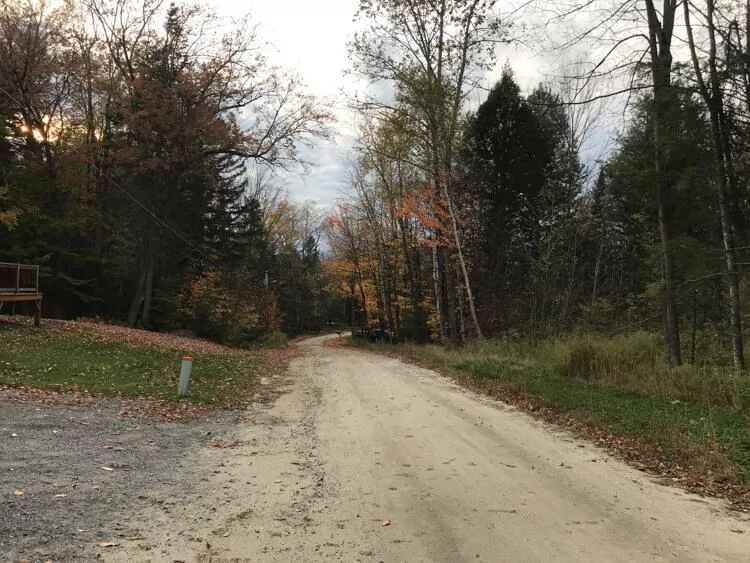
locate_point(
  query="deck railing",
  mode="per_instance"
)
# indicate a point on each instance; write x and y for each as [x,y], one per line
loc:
[14,283]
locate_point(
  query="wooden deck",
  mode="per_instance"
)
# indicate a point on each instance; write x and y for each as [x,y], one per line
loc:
[20,282]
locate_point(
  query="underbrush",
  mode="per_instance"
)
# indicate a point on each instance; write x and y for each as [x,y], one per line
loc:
[697,416]
[274,339]
[632,362]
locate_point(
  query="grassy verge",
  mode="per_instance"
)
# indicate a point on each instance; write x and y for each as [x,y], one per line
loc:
[57,358]
[695,418]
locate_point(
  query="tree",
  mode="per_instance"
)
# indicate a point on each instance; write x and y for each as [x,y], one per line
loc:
[627,185]
[519,176]
[126,129]
[181,110]
[431,53]
[660,34]
[711,91]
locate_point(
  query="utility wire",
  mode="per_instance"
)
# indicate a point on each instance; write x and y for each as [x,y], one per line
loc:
[135,200]
[153,215]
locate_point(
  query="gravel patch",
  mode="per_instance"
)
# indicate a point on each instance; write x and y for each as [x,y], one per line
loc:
[73,475]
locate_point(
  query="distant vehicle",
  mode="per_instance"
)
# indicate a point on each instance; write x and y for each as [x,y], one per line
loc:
[376,335]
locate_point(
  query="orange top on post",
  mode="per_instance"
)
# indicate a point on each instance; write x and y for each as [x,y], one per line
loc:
[188,358]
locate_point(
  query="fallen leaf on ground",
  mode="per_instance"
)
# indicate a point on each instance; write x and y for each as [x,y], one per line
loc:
[105,468]
[107,543]
[18,493]
[61,495]
[107,447]
[13,435]
[386,522]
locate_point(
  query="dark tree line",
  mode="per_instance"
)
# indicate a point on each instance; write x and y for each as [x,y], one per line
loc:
[126,160]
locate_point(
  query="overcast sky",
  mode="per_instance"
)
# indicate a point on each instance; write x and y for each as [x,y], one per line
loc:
[310,39]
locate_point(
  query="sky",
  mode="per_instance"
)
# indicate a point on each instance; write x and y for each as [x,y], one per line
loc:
[310,39]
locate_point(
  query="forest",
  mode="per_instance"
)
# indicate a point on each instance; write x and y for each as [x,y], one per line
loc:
[489,221]
[137,156]
[140,143]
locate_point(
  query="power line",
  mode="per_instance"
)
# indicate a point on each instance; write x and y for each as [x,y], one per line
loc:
[153,215]
[135,200]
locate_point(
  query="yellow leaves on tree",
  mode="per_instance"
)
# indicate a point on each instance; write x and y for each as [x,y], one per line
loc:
[230,311]
[8,217]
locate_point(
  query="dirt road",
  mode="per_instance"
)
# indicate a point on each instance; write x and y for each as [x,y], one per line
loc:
[355,441]
[361,439]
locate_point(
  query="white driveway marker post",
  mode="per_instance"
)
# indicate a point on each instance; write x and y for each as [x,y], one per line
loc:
[187,366]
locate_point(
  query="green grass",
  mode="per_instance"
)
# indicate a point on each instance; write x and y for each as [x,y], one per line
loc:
[273,340]
[698,416]
[59,359]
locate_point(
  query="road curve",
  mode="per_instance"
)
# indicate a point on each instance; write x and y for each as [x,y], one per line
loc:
[462,478]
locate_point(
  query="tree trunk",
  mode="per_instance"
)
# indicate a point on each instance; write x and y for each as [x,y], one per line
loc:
[461,261]
[693,332]
[135,304]
[672,336]
[450,289]
[149,288]
[597,265]
[140,306]
[438,292]
[660,41]
[723,158]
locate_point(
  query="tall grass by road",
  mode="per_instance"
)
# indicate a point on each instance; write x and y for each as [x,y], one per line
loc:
[698,416]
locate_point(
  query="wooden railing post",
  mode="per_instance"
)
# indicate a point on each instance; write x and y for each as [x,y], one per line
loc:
[18,277]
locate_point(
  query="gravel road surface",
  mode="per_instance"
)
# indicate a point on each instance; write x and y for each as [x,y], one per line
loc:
[72,475]
[364,458]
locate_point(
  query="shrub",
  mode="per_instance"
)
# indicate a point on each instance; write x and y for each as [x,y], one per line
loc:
[273,339]
[227,312]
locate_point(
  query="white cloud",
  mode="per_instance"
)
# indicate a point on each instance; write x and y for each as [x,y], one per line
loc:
[311,40]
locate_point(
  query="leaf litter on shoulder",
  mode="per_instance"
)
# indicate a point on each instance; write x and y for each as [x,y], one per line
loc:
[74,362]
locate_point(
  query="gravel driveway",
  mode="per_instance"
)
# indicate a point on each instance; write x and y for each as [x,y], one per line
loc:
[72,475]
[360,458]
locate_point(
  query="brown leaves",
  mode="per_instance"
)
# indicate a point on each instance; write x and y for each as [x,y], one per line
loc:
[127,335]
[233,385]
[107,543]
